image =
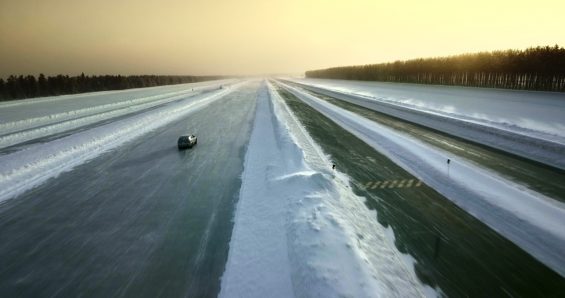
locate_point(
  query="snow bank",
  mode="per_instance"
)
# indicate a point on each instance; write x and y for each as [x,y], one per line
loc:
[13,126]
[528,124]
[25,169]
[299,230]
[529,219]
[512,109]
[109,96]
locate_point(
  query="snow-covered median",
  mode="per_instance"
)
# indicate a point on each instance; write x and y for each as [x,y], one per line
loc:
[529,219]
[299,229]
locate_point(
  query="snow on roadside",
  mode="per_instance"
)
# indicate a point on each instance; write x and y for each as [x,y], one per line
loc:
[14,126]
[113,95]
[532,113]
[123,108]
[25,169]
[529,219]
[299,230]
[520,142]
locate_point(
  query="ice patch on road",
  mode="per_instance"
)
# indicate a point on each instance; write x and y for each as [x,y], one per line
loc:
[299,229]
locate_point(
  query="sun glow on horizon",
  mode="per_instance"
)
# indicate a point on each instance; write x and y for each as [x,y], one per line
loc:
[258,37]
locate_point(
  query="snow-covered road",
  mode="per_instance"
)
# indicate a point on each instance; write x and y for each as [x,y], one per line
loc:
[30,119]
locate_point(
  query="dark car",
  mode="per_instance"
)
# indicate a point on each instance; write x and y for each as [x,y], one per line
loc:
[185,142]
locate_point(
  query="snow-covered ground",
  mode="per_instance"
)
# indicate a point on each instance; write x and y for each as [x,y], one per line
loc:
[17,110]
[24,169]
[298,224]
[525,123]
[540,114]
[25,120]
[532,221]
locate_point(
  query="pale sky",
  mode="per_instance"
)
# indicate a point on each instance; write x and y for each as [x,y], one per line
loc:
[259,36]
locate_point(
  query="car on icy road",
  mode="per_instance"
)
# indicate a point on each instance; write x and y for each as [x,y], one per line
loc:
[185,142]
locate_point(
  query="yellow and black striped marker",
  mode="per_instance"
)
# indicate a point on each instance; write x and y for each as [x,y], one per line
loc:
[402,183]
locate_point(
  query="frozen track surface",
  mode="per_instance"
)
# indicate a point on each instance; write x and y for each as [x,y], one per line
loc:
[140,220]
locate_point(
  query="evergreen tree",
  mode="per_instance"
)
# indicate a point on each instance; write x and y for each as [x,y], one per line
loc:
[540,68]
[16,87]
[3,93]
[42,86]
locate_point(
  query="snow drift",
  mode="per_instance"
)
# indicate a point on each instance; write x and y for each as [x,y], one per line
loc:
[299,229]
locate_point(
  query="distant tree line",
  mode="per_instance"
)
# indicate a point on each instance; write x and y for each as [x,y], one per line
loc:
[17,87]
[539,68]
